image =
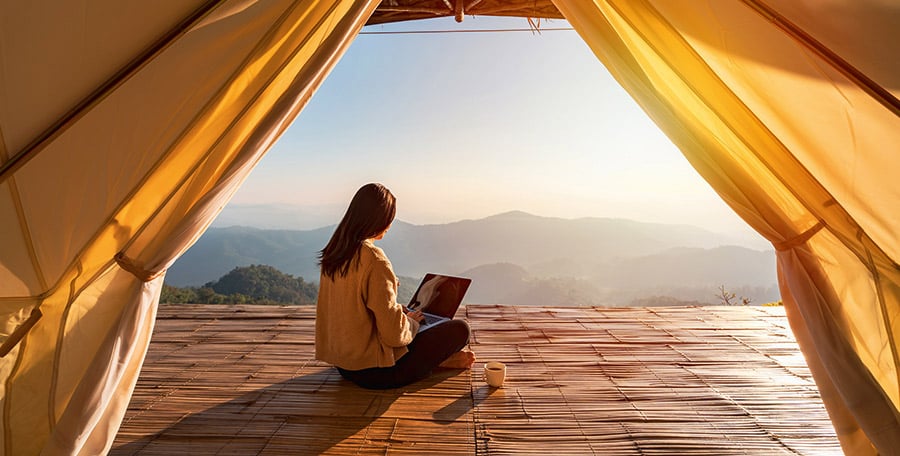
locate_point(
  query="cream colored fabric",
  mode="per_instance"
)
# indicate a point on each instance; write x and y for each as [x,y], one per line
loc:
[789,110]
[359,323]
[140,169]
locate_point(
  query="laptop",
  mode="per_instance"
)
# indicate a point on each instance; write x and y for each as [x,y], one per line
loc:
[438,297]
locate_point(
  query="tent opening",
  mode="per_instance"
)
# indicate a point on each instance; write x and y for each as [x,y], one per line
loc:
[124,133]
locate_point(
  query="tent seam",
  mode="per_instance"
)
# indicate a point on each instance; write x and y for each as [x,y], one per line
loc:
[26,232]
[120,77]
[875,90]
[57,352]
[23,221]
[885,315]
[7,441]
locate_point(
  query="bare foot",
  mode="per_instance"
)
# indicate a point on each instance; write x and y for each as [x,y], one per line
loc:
[463,359]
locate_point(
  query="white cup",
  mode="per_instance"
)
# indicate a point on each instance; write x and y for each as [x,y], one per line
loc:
[494,373]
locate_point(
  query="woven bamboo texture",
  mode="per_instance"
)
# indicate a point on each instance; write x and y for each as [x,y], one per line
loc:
[703,380]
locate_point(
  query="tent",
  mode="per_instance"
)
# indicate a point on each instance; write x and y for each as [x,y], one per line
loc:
[125,127]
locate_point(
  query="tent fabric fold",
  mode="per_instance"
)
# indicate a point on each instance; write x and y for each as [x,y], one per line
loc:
[124,133]
[157,157]
[795,143]
[34,146]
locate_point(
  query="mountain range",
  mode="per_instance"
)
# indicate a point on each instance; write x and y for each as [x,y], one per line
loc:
[519,258]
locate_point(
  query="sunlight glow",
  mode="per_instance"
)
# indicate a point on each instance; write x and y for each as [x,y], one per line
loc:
[469,125]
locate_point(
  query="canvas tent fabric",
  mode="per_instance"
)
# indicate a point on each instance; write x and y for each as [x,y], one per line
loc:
[789,110]
[126,126]
[190,96]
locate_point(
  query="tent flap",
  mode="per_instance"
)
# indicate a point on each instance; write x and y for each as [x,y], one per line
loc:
[126,126]
[771,106]
[134,176]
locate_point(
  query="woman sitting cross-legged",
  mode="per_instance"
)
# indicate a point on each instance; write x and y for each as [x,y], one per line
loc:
[360,327]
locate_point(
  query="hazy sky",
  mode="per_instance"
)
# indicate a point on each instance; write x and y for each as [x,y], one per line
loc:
[467,125]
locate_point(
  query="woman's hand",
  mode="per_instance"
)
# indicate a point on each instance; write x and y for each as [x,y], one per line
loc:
[416,315]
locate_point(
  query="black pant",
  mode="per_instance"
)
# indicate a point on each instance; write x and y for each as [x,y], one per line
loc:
[428,349]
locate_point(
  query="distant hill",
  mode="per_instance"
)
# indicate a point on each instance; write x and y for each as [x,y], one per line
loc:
[495,283]
[527,240]
[690,266]
[689,276]
[506,283]
[514,257]
[220,250]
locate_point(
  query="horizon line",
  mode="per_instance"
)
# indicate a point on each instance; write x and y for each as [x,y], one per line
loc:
[470,219]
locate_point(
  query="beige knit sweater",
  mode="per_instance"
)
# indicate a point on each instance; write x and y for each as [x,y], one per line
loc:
[359,323]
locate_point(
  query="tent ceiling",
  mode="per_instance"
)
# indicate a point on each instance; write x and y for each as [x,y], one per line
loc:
[407,10]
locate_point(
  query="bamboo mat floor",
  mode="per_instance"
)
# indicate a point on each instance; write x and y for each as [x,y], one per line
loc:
[241,380]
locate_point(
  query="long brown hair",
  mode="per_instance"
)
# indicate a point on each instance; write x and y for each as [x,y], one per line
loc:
[371,211]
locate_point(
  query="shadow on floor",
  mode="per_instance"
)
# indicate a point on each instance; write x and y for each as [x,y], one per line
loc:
[308,414]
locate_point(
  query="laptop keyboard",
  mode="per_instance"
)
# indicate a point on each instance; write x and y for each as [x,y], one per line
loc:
[429,319]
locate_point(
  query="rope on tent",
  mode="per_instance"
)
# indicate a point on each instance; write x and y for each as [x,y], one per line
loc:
[20,332]
[130,265]
[798,240]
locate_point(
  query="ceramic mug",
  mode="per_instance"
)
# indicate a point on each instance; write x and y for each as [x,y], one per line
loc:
[495,373]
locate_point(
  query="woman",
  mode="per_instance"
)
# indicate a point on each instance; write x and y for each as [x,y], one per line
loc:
[360,327]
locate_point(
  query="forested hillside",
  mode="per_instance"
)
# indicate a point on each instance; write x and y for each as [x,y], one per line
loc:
[254,284]
[513,258]
[259,284]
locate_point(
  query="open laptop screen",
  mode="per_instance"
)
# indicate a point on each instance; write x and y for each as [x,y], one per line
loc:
[439,294]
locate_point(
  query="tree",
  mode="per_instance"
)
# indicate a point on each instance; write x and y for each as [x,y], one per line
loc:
[265,284]
[255,284]
[730,299]
[175,295]
[206,295]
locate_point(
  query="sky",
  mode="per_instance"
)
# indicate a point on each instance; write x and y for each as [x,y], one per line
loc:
[467,125]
